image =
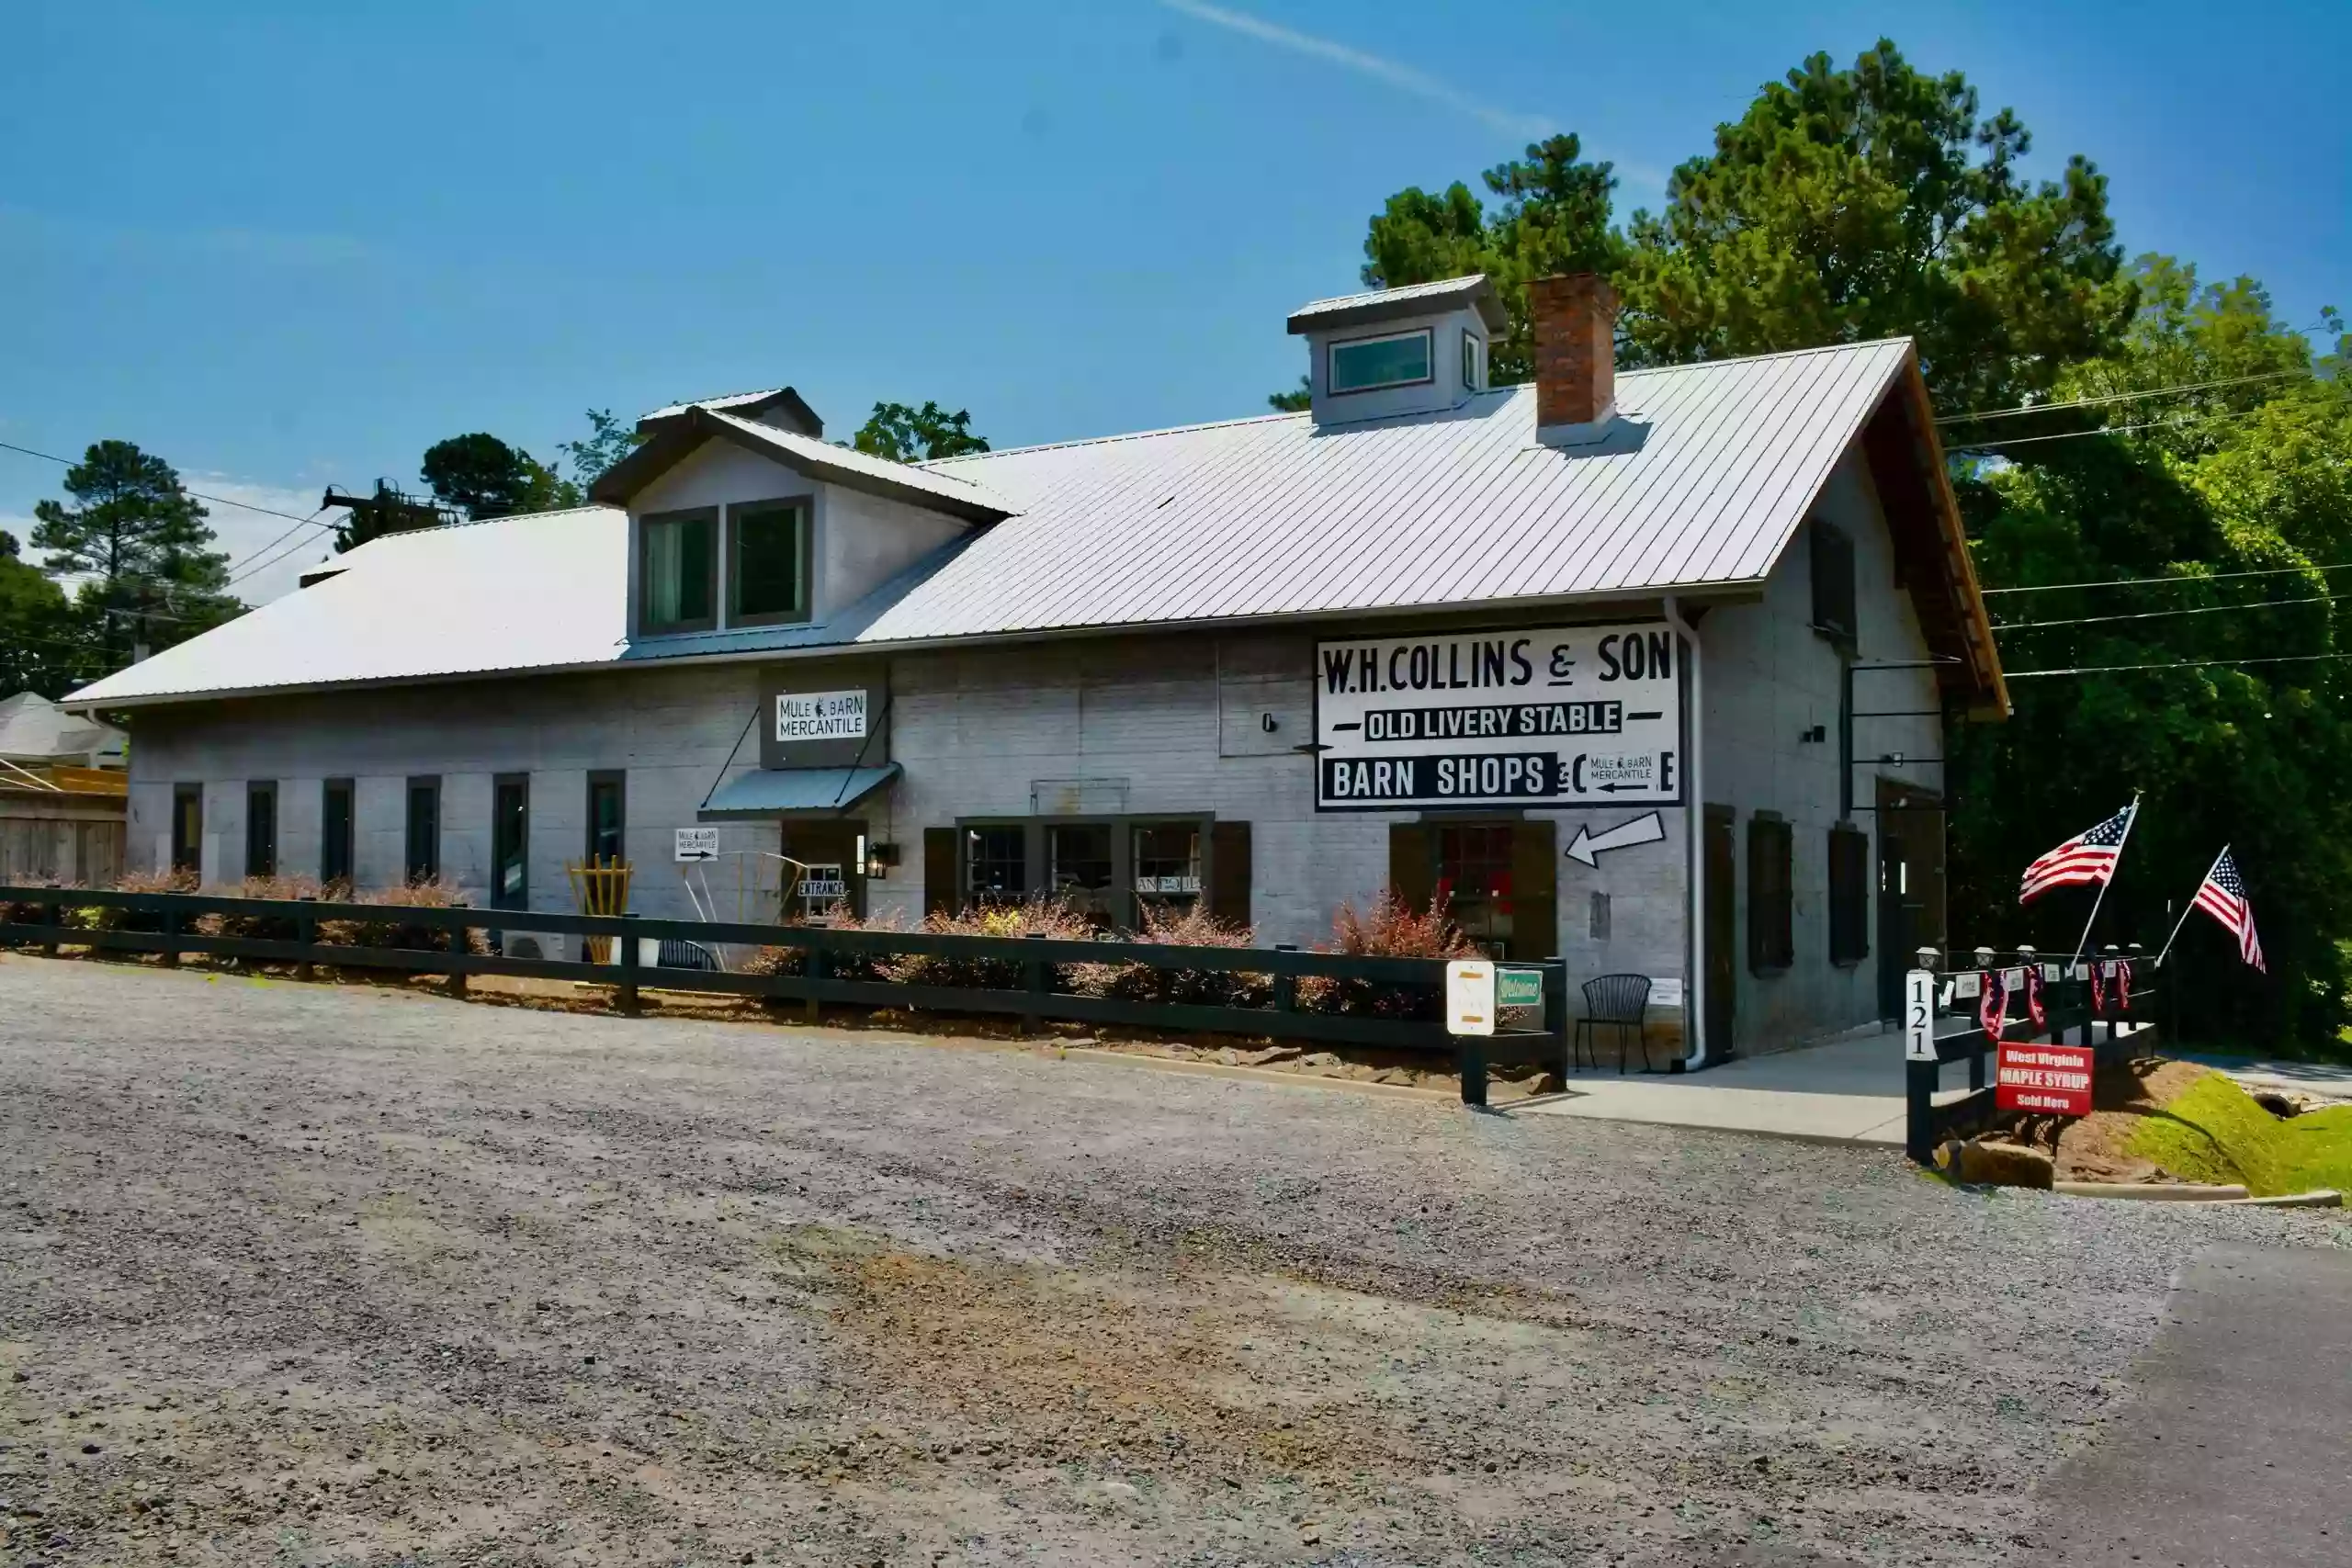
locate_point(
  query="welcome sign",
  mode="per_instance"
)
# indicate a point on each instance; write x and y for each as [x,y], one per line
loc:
[1566,716]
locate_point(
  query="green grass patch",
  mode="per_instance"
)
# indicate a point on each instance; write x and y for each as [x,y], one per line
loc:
[2214,1132]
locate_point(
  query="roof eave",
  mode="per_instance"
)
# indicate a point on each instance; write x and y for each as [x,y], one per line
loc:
[682,436]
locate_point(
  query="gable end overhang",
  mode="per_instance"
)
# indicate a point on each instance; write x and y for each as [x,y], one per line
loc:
[681,437]
[1906,465]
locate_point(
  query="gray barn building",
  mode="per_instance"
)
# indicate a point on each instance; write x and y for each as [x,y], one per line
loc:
[1648,670]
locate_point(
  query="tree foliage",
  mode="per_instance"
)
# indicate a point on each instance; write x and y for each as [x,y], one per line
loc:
[1861,203]
[2241,730]
[483,477]
[42,647]
[140,542]
[906,435]
[608,442]
[1553,217]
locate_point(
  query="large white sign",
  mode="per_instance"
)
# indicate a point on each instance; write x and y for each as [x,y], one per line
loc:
[1571,716]
[821,716]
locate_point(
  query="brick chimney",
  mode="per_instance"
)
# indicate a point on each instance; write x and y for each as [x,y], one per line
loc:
[1575,318]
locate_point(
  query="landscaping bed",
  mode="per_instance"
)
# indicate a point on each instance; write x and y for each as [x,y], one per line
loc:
[2161,1121]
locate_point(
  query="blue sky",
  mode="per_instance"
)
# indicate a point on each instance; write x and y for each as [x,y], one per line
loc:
[284,245]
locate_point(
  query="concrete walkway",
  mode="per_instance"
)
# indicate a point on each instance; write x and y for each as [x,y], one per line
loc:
[1846,1090]
[2331,1080]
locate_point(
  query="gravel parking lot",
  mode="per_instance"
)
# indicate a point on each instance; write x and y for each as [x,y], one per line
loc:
[306,1274]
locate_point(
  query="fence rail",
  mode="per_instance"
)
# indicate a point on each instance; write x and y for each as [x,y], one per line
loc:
[438,941]
[2074,1013]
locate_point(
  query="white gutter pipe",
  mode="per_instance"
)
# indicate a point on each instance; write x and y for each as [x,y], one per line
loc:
[1694,982]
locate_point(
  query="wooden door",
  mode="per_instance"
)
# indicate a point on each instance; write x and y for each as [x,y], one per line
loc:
[830,875]
[1719,934]
[1910,885]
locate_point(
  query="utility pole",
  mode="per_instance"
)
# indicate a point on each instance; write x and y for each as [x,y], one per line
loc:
[390,510]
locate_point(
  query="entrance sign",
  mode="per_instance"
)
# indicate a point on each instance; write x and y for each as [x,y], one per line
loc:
[1571,716]
[822,885]
[1519,987]
[1470,997]
[821,716]
[2056,1078]
[697,844]
[1919,1016]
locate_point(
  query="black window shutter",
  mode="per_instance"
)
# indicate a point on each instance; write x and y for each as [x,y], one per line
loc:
[1230,872]
[1534,890]
[1850,850]
[938,870]
[1770,925]
[1411,876]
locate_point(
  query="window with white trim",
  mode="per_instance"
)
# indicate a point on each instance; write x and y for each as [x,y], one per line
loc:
[1366,365]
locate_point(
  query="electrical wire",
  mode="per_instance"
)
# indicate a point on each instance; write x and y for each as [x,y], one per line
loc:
[235,574]
[2158,615]
[2022,409]
[2168,582]
[2102,430]
[2176,664]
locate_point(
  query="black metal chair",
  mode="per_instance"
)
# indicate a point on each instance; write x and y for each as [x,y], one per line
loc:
[1615,1003]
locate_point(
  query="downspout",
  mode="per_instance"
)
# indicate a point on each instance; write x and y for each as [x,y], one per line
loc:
[1694,985]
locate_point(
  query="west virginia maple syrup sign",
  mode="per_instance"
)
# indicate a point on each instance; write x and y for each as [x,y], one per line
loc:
[1569,715]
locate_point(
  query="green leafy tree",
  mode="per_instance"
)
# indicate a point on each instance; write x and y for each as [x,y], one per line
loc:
[483,477]
[1553,217]
[906,435]
[42,647]
[140,541]
[2227,744]
[1848,205]
[1296,400]
[608,442]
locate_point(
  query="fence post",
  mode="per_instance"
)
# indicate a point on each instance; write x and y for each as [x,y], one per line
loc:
[1555,1009]
[306,931]
[1919,1079]
[626,992]
[460,945]
[171,930]
[1285,986]
[48,914]
[1470,1055]
[1032,1021]
[818,966]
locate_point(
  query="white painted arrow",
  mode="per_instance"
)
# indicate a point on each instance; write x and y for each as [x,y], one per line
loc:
[1640,830]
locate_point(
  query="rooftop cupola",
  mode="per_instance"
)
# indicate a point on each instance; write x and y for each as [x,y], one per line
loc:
[1418,349]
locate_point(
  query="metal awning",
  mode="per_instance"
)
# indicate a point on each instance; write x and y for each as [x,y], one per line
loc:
[765,792]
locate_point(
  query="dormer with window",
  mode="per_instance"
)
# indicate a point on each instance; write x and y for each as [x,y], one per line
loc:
[1420,349]
[745,527]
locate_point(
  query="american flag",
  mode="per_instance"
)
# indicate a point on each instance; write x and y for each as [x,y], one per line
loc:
[2084,861]
[2222,895]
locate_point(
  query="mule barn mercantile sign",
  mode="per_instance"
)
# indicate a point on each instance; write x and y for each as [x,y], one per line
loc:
[1571,716]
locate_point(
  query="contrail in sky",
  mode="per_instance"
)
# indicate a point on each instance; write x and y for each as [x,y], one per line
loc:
[1421,84]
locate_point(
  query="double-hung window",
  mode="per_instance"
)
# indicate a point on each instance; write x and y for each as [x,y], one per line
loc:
[1366,365]
[1473,362]
[678,571]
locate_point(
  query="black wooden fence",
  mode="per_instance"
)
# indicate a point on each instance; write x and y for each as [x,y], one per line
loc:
[2116,1030]
[836,966]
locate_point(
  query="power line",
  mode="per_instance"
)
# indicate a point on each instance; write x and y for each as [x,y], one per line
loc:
[312,521]
[2102,430]
[2119,397]
[2158,615]
[2176,664]
[2168,581]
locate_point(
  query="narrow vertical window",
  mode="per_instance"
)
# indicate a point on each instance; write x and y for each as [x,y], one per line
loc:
[335,836]
[423,857]
[261,829]
[607,815]
[510,839]
[187,828]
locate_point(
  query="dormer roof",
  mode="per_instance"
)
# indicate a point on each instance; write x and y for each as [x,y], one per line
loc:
[779,406]
[1378,305]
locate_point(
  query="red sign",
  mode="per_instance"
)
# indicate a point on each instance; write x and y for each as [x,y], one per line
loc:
[2048,1079]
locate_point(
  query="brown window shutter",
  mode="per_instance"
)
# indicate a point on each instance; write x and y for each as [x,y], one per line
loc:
[1769,917]
[1410,875]
[1848,895]
[938,870]
[1230,872]
[1535,891]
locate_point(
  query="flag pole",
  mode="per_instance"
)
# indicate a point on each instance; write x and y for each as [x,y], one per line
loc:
[2190,905]
[2128,823]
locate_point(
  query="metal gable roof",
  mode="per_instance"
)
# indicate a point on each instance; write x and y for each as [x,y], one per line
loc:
[1702,483]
